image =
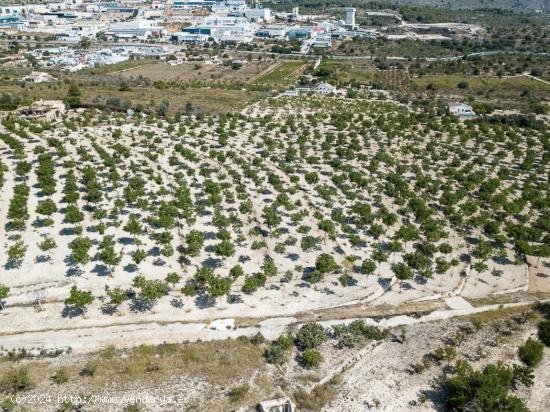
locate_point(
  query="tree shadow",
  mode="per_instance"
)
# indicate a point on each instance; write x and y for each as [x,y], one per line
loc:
[501,260]
[154,251]
[437,394]
[74,271]
[108,309]
[130,267]
[101,270]
[139,305]
[70,311]
[159,262]
[66,231]
[244,258]
[210,235]
[125,240]
[177,303]
[13,264]
[205,301]
[42,259]
[293,257]
[212,263]
[234,298]
[465,258]
[384,282]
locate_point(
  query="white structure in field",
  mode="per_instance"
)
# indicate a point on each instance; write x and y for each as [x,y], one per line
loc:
[39,77]
[142,29]
[462,110]
[323,41]
[325,88]
[350,16]
[190,38]
[277,405]
[229,6]
[225,29]
[275,31]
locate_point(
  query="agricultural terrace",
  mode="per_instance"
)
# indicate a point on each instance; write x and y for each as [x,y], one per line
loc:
[291,205]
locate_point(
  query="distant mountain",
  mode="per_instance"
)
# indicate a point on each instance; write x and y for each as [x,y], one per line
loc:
[516,5]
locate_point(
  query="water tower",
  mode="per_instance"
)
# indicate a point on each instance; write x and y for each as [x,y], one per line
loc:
[350,16]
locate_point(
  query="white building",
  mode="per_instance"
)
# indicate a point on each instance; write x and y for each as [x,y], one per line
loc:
[190,38]
[275,31]
[229,6]
[350,16]
[190,4]
[39,77]
[225,29]
[323,41]
[141,29]
[461,110]
[216,20]
[325,88]
[260,15]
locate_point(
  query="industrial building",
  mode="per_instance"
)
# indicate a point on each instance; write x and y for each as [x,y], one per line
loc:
[350,16]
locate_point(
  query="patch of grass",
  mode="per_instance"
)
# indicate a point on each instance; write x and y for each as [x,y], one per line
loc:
[484,86]
[316,399]
[238,392]
[212,101]
[282,74]
[15,380]
[113,68]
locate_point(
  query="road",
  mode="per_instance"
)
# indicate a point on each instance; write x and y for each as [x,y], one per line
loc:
[302,54]
[91,339]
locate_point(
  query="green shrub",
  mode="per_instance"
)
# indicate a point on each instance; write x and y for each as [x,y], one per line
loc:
[276,355]
[487,389]
[531,352]
[311,358]
[238,392]
[285,341]
[60,376]
[310,336]
[16,380]
[544,332]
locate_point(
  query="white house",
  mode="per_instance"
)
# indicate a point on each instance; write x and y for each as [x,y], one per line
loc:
[191,38]
[325,88]
[461,110]
[277,405]
[39,77]
[261,15]
[323,41]
[272,31]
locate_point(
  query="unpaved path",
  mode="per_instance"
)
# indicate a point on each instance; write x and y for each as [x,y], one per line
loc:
[90,339]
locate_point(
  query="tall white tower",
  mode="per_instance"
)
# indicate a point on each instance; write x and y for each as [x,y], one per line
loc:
[350,16]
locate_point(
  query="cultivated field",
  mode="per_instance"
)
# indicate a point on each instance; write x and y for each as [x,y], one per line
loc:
[200,71]
[291,205]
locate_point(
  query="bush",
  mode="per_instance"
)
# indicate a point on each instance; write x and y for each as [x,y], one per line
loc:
[285,341]
[275,355]
[238,392]
[310,336]
[531,352]
[16,380]
[89,369]
[311,358]
[544,332]
[60,376]
[485,390]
